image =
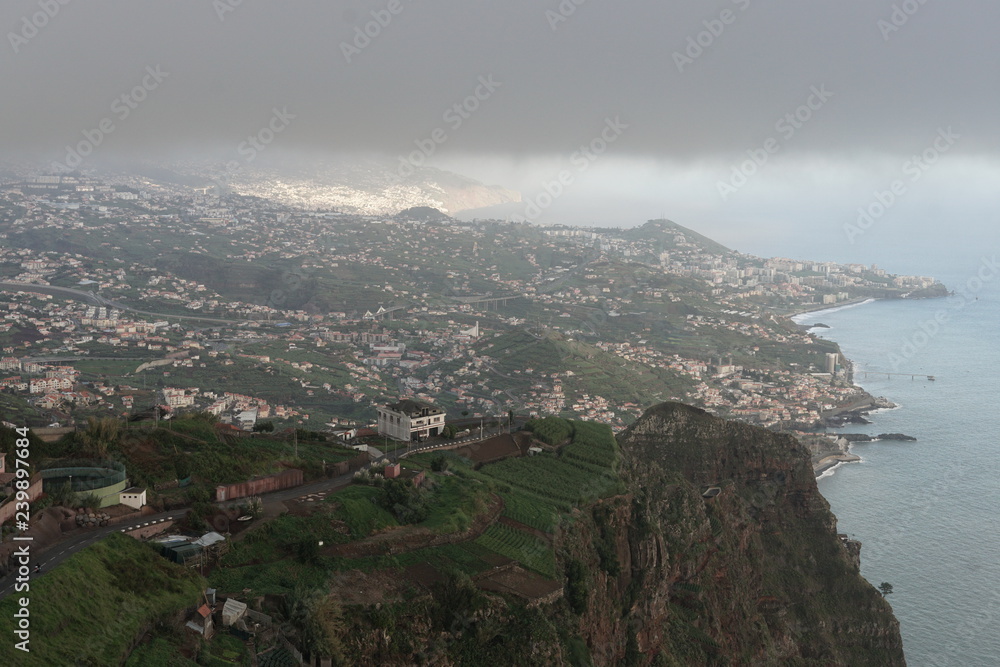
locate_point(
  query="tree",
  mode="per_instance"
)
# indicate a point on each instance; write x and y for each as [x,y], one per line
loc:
[62,495]
[99,435]
[404,501]
[458,599]
[318,619]
[576,586]
[91,500]
[885,588]
[263,427]
[255,507]
[201,416]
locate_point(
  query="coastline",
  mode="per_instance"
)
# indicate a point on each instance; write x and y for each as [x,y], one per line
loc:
[858,409]
[828,464]
[855,412]
[865,405]
[813,309]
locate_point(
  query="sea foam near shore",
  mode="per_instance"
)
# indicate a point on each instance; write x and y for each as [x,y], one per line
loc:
[813,314]
[827,472]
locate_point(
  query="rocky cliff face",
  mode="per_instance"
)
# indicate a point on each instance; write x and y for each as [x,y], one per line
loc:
[726,555]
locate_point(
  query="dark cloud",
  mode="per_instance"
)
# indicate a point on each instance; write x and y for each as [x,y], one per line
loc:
[229,69]
[702,87]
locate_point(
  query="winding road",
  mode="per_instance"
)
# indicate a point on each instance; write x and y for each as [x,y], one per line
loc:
[98,300]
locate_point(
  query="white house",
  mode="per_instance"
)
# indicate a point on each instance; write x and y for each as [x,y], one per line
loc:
[410,420]
[134,497]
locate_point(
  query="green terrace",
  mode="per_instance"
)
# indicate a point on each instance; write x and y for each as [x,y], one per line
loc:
[474,518]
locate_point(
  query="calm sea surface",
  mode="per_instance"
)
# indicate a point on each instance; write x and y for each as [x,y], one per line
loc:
[928,512]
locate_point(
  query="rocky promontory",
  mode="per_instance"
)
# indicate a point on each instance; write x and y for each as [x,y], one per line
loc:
[863,437]
[756,574]
[857,413]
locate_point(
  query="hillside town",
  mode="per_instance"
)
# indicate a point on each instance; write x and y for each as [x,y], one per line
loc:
[185,299]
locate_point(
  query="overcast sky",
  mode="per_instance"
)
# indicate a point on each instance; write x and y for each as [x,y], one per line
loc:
[681,91]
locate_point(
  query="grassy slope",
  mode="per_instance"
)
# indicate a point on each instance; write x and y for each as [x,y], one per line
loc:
[596,372]
[90,608]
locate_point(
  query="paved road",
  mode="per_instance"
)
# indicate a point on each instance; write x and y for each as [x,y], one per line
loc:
[121,306]
[98,300]
[78,295]
[82,538]
[79,539]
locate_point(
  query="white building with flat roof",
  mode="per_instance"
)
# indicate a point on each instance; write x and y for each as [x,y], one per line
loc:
[134,497]
[410,419]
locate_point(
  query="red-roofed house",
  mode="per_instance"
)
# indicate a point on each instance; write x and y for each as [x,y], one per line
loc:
[202,621]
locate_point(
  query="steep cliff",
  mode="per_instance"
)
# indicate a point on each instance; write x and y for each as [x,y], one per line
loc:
[752,575]
[720,551]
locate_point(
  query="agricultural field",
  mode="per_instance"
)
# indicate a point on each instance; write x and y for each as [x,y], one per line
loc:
[17,410]
[551,430]
[531,510]
[581,472]
[592,444]
[537,492]
[530,551]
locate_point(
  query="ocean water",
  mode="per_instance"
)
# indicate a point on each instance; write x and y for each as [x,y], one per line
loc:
[928,512]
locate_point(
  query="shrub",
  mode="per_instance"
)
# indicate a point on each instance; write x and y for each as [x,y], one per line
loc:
[551,430]
[404,501]
[576,586]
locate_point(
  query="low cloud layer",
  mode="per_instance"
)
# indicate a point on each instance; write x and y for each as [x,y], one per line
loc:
[732,110]
[691,78]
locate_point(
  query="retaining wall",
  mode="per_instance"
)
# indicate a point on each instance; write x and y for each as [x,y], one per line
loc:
[282,480]
[143,532]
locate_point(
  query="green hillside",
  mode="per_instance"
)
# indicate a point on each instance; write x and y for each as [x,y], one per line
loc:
[92,608]
[663,231]
[595,372]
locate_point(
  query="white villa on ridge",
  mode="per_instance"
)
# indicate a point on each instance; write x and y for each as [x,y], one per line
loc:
[410,420]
